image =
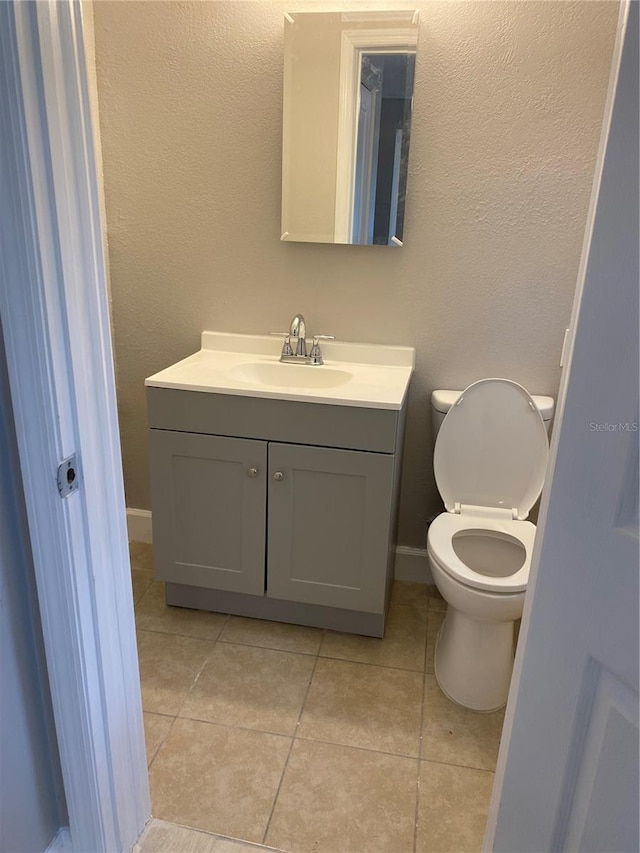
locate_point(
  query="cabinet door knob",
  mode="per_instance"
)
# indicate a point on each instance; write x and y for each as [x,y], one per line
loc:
[278,475]
[253,472]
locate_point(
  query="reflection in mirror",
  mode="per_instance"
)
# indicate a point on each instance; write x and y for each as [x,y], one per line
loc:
[348,92]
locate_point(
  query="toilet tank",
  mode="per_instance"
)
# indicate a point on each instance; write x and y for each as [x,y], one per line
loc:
[441,402]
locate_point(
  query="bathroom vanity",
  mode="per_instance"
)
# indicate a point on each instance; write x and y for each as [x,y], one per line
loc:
[275,486]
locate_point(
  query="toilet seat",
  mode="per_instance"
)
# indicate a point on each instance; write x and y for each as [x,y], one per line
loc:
[441,549]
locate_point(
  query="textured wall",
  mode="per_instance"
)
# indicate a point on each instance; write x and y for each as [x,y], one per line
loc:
[508,107]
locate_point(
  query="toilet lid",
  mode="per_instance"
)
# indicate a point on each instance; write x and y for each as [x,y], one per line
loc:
[492,449]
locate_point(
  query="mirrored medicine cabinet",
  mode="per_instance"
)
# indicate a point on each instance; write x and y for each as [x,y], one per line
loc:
[348,96]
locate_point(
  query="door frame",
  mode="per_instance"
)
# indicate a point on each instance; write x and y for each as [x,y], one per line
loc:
[352,45]
[55,315]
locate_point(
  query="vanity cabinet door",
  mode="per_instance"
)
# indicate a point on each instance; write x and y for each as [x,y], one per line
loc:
[209,500]
[329,526]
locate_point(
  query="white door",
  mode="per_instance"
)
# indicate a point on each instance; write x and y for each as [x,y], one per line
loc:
[55,321]
[567,775]
[364,188]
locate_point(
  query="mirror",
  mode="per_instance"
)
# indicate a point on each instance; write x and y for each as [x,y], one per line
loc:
[348,93]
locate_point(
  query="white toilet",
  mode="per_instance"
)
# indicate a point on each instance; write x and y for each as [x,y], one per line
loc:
[489,463]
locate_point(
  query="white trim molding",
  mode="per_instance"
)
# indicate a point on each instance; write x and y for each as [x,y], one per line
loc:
[410,16]
[412,564]
[54,312]
[139,525]
[353,43]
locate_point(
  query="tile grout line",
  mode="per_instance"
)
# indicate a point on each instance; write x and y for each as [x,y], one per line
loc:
[199,673]
[421,738]
[459,766]
[160,745]
[175,716]
[293,740]
[268,648]
[370,663]
[318,740]
[159,714]
[177,634]
[337,743]
[296,736]
[357,746]
[439,616]
[352,746]
[216,836]
[288,651]
[219,639]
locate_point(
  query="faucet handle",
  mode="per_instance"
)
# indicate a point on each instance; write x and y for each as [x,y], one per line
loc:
[315,355]
[286,346]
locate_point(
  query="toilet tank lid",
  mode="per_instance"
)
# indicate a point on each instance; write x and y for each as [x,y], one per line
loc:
[443,400]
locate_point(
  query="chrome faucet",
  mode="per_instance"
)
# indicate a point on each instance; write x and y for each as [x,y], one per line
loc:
[298,331]
[294,348]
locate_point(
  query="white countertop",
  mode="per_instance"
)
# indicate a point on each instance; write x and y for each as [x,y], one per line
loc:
[365,375]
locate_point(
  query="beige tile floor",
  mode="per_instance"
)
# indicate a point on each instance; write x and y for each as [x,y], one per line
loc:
[304,740]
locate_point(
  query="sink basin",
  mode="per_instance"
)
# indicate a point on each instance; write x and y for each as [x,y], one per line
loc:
[282,375]
[364,375]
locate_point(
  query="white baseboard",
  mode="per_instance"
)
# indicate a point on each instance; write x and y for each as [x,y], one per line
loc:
[61,842]
[412,564]
[139,525]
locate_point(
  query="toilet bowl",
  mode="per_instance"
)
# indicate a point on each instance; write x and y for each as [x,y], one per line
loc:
[489,463]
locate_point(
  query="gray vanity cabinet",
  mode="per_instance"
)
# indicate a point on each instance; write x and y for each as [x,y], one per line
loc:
[209,519]
[294,521]
[329,525]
